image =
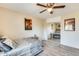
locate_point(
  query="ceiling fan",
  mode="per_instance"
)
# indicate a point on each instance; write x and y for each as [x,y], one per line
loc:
[49,7]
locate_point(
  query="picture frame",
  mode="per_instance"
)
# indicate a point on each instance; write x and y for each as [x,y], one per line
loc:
[28,24]
[69,24]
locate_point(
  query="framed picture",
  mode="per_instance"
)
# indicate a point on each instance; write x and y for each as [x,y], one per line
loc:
[69,24]
[28,24]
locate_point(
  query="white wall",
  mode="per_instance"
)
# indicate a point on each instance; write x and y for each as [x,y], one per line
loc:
[70,38]
[54,19]
[12,25]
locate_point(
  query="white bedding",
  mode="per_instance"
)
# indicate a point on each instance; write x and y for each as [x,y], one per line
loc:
[21,50]
[25,47]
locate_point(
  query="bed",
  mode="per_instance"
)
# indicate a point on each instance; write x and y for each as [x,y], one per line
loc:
[25,47]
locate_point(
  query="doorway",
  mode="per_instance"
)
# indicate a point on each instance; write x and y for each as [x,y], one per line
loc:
[55,32]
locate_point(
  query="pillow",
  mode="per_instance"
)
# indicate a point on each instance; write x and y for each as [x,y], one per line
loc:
[4,47]
[14,43]
[8,41]
[2,39]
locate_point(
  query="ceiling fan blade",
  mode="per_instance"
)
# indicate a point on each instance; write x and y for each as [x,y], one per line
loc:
[61,6]
[43,11]
[41,5]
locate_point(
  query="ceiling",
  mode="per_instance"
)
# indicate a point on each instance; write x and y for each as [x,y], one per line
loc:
[33,9]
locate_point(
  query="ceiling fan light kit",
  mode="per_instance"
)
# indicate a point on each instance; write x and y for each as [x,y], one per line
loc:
[50,7]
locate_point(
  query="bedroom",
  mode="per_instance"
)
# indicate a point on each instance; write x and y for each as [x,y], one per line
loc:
[12,24]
